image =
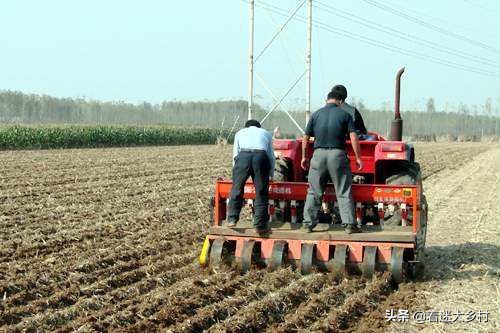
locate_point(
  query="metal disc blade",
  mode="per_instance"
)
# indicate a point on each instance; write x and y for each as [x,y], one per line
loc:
[369,258]
[216,252]
[397,268]
[246,255]
[306,258]
[338,265]
[278,255]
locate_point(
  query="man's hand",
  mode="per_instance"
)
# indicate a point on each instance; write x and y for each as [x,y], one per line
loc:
[304,163]
[357,149]
[359,163]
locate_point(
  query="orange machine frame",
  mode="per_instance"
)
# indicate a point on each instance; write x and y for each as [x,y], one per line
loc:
[366,193]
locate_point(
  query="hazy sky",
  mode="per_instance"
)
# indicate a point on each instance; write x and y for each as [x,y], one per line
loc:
[191,50]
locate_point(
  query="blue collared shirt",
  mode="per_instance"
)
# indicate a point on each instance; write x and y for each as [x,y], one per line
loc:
[255,138]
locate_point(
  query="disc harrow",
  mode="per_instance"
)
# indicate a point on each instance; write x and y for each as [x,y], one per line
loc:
[379,247]
[339,258]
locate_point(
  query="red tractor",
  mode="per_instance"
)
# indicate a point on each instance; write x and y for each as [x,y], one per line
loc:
[390,207]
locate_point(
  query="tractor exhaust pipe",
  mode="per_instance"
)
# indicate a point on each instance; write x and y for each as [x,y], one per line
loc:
[397,123]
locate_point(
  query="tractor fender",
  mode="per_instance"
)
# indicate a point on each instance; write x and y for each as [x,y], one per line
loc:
[394,150]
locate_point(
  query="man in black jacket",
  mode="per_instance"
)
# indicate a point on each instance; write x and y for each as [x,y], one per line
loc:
[359,124]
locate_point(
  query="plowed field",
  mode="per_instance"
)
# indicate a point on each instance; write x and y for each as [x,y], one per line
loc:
[107,240]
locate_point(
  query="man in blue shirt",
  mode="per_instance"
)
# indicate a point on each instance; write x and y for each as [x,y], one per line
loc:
[253,156]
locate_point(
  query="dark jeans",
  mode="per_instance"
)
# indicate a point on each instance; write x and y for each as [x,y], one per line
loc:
[257,165]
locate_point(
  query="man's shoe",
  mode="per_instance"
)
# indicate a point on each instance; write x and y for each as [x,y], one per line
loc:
[352,229]
[308,227]
[231,224]
[263,230]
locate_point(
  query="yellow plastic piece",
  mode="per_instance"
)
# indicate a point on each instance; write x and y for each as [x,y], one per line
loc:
[204,252]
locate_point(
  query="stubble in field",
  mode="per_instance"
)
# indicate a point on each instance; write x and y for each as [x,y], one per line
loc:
[107,239]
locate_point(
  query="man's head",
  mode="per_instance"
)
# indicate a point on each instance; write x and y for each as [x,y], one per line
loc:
[338,94]
[252,122]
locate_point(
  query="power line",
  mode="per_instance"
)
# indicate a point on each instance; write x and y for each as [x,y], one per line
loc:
[376,43]
[462,25]
[431,26]
[279,30]
[482,7]
[406,36]
[284,44]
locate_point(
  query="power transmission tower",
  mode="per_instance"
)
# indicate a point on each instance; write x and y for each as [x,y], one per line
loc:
[252,61]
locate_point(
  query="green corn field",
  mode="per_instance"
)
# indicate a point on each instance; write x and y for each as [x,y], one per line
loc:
[62,136]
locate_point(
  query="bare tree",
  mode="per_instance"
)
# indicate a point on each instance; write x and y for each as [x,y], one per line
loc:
[488,107]
[430,105]
[16,107]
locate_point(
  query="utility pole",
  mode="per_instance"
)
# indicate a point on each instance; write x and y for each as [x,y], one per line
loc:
[308,60]
[250,59]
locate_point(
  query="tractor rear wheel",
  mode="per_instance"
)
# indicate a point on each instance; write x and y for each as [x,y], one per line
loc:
[408,174]
[283,173]
[421,234]
[281,170]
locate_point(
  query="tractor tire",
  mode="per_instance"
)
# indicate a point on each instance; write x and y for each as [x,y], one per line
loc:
[411,175]
[281,170]
[422,233]
[283,173]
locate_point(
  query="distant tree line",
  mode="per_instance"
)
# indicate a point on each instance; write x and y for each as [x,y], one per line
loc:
[20,108]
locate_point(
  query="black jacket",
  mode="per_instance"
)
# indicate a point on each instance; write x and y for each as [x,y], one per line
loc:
[359,124]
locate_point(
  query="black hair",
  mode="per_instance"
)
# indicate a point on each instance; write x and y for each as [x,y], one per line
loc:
[338,92]
[252,122]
